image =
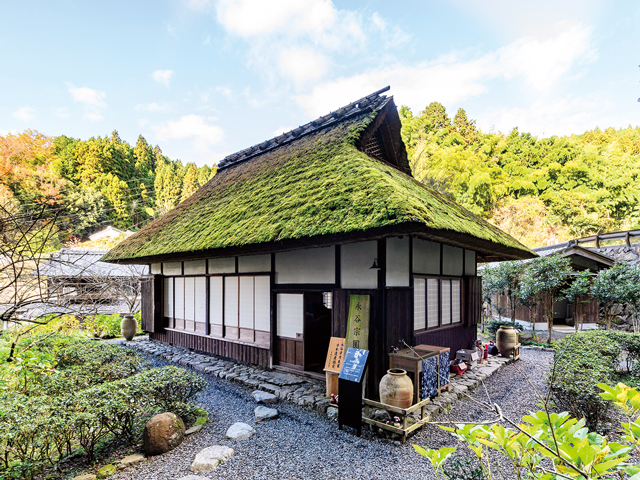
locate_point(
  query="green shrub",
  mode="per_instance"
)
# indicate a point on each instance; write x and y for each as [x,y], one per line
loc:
[582,361]
[103,326]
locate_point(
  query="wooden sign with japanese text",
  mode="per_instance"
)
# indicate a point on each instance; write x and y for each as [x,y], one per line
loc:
[335,355]
[358,322]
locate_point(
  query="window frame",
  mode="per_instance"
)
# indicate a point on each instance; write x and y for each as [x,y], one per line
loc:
[440,279]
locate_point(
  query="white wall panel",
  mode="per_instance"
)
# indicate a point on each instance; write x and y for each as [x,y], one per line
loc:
[451,261]
[311,265]
[168,297]
[254,263]
[156,268]
[195,267]
[432,302]
[456,300]
[262,304]
[355,262]
[179,297]
[426,257]
[246,302]
[172,268]
[290,314]
[397,262]
[469,262]
[222,265]
[445,299]
[215,299]
[201,299]
[419,304]
[231,301]
[189,298]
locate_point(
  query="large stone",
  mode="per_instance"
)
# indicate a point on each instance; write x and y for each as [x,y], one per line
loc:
[163,433]
[265,413]
[240,431]
[194,429]
[86,477]
[130,460]
[107,471]
[264,397]
[209,458]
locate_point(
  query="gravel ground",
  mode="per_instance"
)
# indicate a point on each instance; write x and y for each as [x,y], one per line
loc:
[303,443]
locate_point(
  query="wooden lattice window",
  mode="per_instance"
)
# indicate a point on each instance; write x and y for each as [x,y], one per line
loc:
[375,147]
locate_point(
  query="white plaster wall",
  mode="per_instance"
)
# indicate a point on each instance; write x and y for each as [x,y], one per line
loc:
[426,257]
[156,268]
[355,262]
[452,261]
[195,267]
[311,265]
[397,262]
[222,265]
[469,262]
[254,263]
[172,268]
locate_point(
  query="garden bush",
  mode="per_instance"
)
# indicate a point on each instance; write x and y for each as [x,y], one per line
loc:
[585,359]
[493,326]
[107,326]
[98,395]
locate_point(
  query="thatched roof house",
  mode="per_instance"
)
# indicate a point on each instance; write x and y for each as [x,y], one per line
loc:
[259,264]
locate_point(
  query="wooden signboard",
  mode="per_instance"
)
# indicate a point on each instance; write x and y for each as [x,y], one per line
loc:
[350,380]
[358,322]
[335,355]
[333,364]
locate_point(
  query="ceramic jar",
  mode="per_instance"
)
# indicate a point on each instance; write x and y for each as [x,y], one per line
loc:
[506,340]
[396,388]
[128,327]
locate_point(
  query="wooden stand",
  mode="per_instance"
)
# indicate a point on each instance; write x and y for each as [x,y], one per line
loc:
[408,424]
[407,360]
[332,382]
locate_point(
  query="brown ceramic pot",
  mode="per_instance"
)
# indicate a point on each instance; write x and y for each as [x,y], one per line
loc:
[128,327]
[396,389]
[506,340]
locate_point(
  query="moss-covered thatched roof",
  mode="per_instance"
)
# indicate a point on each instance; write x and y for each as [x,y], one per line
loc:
[315,190]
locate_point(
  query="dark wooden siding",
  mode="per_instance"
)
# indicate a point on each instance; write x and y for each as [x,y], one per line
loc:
[151,306]
[236,351]
[472,294]
[455,338]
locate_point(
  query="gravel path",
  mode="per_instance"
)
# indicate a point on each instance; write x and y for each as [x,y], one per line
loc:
[304,444]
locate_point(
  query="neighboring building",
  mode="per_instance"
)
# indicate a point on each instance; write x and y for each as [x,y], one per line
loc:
[109,233]
[77,276]
[260,264]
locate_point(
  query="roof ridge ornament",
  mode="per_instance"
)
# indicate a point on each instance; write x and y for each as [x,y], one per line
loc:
[353,108]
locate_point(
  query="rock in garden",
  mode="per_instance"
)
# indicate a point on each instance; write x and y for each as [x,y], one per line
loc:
[107,471]
[264,397]
[163,433]
[194,429]
[86,477]
[130,461]
[240,431]
[332,413]
[265,413]
[193,477]
[209,458]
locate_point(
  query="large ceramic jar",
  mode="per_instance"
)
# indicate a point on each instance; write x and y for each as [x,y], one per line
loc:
[506,340]
[128,327]
[396,388]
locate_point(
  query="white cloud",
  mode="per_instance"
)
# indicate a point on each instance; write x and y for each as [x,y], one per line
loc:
[302,64]
[92,101]
[143,122]
[191,126]
[24,114]
[62,112]
[163,76]
[450,79]
[151,107]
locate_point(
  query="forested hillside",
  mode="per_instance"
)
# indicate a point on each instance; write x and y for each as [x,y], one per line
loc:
[92,183]
[538,190]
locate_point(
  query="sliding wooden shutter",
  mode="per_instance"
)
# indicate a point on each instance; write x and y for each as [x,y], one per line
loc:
[151,291]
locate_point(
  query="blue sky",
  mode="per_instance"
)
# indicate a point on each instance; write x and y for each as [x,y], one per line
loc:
[205,78]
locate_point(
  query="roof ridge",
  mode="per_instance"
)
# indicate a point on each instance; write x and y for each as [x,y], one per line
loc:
[371,101]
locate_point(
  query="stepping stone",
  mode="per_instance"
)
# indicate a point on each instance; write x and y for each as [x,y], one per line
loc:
[264,397]
[86,477]
[265,413]
[194,429]
[209,458]
[240,431]
[130,461]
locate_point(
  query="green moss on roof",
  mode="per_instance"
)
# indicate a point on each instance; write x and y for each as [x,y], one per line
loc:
[317,185]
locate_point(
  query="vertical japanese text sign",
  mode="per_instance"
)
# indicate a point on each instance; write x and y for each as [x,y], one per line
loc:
[358,322]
